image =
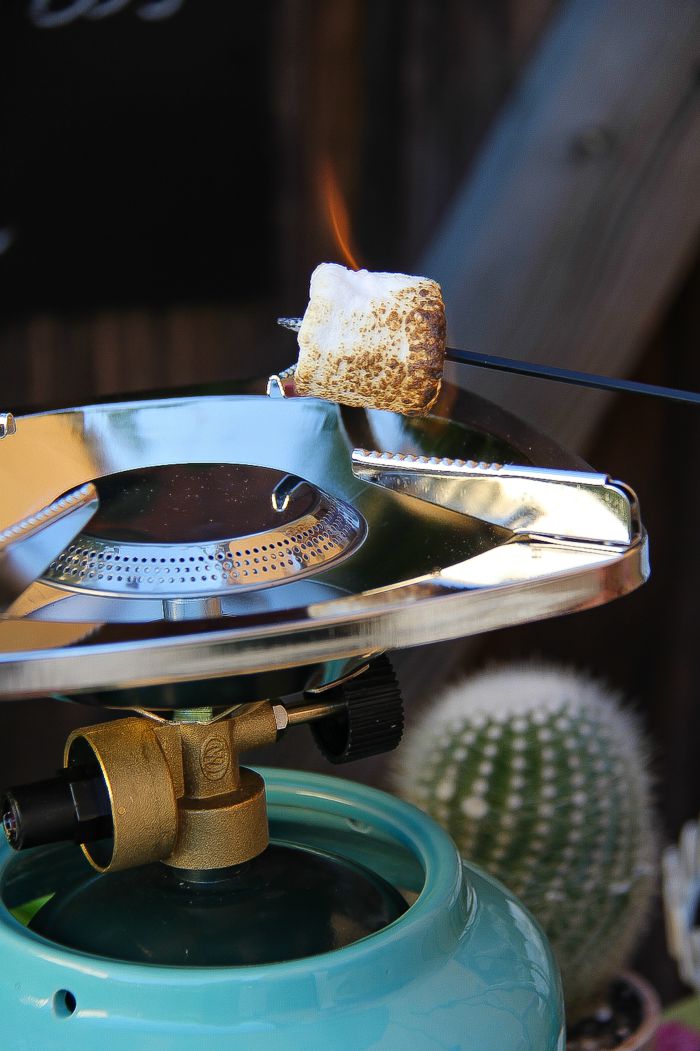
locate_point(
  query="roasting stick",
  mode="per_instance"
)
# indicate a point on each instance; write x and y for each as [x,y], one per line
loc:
[549,372]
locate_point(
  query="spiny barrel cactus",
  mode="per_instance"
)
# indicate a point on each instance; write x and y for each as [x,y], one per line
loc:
[541,779]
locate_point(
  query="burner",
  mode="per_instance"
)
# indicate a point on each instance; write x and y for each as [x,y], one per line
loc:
[475,524]
[185,530]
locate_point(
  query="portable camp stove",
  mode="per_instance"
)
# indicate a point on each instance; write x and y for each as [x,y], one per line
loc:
[227,567]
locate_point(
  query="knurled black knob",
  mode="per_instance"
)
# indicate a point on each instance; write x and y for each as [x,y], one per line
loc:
[371,720]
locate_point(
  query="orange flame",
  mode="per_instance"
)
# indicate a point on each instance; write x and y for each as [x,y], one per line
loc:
[337,213]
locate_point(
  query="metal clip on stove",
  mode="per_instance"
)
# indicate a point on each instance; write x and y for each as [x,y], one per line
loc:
[535,503]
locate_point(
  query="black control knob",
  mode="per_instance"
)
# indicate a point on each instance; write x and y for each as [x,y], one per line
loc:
[371,719]
[72,806]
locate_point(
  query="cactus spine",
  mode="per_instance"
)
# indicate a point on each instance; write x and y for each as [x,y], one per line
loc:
[541,779]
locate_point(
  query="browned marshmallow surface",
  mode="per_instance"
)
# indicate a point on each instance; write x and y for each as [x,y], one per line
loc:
[372,340]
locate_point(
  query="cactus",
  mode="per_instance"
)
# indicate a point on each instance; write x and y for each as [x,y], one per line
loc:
[541,779]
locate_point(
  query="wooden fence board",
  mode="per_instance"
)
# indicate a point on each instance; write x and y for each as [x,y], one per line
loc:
[583,209]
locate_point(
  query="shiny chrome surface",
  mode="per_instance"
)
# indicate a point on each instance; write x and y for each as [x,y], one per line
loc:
[187,530]
[426,571]
[28,546]
[572,505]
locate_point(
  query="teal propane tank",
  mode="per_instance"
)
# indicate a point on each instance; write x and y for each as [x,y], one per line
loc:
[464,967]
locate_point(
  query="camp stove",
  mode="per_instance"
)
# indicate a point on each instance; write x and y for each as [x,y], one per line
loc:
[222,569]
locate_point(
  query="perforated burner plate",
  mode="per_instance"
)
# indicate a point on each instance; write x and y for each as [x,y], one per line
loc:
[188,530]
[163,585]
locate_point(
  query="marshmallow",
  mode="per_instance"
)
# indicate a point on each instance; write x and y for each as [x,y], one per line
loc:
[372,340]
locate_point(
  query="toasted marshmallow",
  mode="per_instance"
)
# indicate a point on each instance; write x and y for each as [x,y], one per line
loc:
[372,340]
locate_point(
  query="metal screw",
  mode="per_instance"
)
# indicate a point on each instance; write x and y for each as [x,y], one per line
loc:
[281,717]
[8,424]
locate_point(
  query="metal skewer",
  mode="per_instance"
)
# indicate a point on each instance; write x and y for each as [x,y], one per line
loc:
[550,372]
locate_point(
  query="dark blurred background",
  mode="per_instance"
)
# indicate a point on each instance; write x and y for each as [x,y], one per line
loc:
[162,190]
[168,172]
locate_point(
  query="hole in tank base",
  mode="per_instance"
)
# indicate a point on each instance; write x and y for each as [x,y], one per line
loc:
[64,1003]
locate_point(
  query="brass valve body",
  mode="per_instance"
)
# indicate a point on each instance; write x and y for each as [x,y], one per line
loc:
[177,791]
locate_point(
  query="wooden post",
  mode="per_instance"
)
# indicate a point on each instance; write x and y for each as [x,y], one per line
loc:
[583,209]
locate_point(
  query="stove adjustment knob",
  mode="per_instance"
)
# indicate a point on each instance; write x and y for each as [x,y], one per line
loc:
[370,720]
